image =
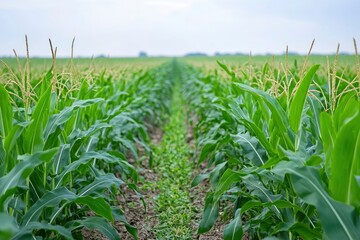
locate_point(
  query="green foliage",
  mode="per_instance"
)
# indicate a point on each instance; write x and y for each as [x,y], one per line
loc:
[64,140]
[234,229]
[298,101]
[338,220]
[277,158]
[280,145]
[341,136]
[6,113]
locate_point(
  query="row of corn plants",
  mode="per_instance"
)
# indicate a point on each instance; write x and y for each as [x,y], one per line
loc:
[65,141]
[282,150]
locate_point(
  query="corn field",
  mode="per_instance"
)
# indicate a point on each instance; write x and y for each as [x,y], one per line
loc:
[274,147]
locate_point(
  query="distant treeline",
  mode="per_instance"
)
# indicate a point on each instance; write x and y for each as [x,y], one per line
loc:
[200,54]
[144,54]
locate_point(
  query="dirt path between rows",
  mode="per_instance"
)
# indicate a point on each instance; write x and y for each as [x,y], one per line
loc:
[198,194]
[146,220]
[135,213]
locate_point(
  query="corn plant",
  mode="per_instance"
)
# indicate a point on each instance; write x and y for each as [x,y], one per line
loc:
[62,144]
[288,168]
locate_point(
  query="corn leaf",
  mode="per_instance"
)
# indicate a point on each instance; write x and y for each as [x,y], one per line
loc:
[99,184]
[298,102]
[304,231]
[328,136]
[9,146]
[34,140]
[279,117]
[227,179]
[210,214]
[234,229]
[5,112]
[345,162]
[207,149]
[98,205]
[226,69]
[62,117]
[49,200]
[8,227]
[21,171]
[27,231]
[339,221]
[84,159]
[95,223]
[61,159]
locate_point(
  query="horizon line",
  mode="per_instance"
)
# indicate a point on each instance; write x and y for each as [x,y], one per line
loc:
[190,54]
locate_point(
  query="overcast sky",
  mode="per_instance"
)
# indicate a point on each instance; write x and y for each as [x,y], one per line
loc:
[174,27]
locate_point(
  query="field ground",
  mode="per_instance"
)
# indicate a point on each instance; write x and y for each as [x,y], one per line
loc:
[186,148]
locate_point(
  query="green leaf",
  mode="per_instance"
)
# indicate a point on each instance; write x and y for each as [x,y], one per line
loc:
[278,204]
[5,112]
[345,160]
[213,174]
[8,227]
[100,184]
[46,82]
[54,198]
[62,117]
[21,171]
[298,102]
[339,221]
[61,158]
[258,189]
[206,150]
[278,112]
[315,107]
[226,69]
[95,223]
[9,146]
[210,214]
[129,145]
[83,160]
[341,139]
[252,127]
[302,229]
[279,117]
[250,205]
[26,231]
[252,153]
[328,136]
[305,231]
[227,179]
[34,140]
[234,229]
[98,205]
[199,178]
[11,138]
[49,200]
